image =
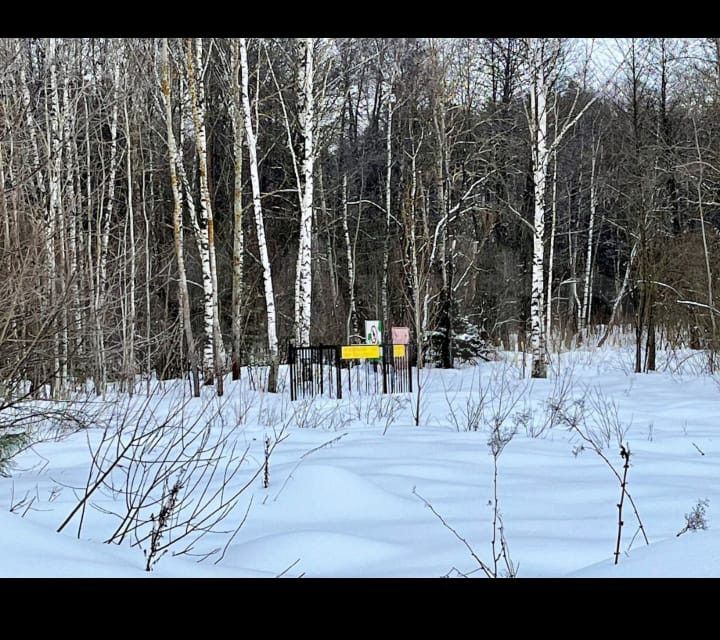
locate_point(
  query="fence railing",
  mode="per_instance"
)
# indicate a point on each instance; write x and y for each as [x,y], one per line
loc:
[318,370]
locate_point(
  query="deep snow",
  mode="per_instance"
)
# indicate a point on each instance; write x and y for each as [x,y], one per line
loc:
[340,500]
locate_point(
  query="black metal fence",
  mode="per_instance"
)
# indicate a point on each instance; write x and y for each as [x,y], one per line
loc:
[314,371]
[318,370]
[397,369]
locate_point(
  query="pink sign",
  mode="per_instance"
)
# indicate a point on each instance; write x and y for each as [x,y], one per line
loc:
[401,335]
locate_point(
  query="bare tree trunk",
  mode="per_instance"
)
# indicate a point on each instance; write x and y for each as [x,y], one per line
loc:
[197,99]
[148,269]
[238,237]
[3,203]
[573,300]
[71,214]
[587,300]
[30,123]
[543,54]
[55,223]
[388,198]
[420,311]
[86,238]
[259,223]
[650,345]
[551,258]
[129,367]
[701,209]
[331,255]
[303,278]
[446,257]
[620,296]
[175,161]
[104,231]
[538,126]
[352,319]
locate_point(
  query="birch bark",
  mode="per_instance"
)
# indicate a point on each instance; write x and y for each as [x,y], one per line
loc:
[587,299]
[104,231]
[352,328]
[214,353]
[55,223]
[388,198]
[177,218]
[538,129]
[303,279]
[259,223]
[238,238]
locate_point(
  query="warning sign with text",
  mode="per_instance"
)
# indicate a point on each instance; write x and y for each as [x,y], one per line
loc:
[360,351]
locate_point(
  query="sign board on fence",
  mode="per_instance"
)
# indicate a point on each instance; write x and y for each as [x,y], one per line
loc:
[401,335]
[373,331]
[399,350]
[359,351]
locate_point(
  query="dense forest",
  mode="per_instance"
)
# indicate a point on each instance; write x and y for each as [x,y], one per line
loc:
[175,206]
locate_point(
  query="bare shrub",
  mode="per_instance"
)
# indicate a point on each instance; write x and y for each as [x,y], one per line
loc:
[26,423]
[696,520]
[314,413]
[598,435]
[469,418]
[187,469]
[502,400]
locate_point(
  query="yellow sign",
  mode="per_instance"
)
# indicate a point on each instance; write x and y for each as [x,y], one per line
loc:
[399,350]
[360,351]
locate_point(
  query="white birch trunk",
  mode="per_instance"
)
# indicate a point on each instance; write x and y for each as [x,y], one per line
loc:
[86,236]
[543,57]
[131,314]
[548,302]
[3,203]
[55,223]
[30,123]
[352,322]
[175,161]
[587,299]
[420,310]
[148,270]
[71,214]
[101,287]
[257,209]
[238,238]
[538,129]
[303,278]
[388,192]
[204,229]
[46,298]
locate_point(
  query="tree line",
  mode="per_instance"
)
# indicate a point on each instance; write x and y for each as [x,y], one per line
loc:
[192,205]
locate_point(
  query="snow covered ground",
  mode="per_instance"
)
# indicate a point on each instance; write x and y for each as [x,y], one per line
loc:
[343,479]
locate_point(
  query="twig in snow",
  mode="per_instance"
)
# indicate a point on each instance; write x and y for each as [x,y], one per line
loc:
[625,454]
[702,453]
[282,573]
[485,569]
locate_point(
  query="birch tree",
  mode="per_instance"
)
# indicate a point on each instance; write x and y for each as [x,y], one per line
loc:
[54,222]
[587,288]
[543,56]
[259,222]
[388,202]
[103,230]
[214,357]
[306,116]
[175,160]
[235,108]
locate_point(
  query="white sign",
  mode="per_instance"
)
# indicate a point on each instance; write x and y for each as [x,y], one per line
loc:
[373,331]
